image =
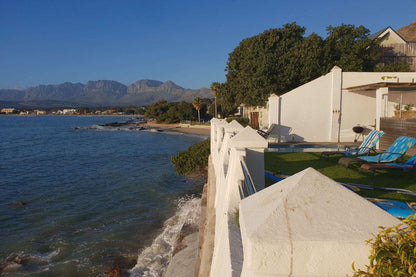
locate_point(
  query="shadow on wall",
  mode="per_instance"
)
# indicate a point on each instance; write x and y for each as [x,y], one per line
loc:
[281,133]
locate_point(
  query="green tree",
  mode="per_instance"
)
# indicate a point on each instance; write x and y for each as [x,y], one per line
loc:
[257,66]
[279,60]
[174,112]
[186,111]
[228,103]
[393,67]
[198,105]
[350,48]
[308,60]
[158,110]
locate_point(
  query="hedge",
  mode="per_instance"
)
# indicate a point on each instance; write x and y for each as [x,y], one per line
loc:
[193,159]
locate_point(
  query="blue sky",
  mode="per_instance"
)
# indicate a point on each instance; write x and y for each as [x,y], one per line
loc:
[188,42]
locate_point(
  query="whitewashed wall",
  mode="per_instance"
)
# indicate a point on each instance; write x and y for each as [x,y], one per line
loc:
[305,112]
[357,109]
[231,143]
[311,111]
[307,225]
[352,79]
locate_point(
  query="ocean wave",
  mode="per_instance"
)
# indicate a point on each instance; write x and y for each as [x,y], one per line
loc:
[153,260]
[16,261]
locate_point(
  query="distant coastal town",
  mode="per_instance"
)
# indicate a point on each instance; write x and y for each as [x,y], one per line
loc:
[73,111]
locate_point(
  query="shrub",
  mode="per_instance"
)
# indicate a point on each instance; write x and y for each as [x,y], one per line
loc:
[193,159]
[408,107]
[393,251]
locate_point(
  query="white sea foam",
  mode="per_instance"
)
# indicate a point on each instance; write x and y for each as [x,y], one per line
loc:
[153,260]
[44,257]
[40,259]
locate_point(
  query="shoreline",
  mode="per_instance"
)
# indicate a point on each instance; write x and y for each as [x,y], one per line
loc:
[194,247]
[202,130]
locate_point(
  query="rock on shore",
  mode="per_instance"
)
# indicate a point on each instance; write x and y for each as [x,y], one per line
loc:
[183,262]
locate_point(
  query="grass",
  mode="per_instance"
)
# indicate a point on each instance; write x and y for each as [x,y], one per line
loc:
[237,217]
[291,163]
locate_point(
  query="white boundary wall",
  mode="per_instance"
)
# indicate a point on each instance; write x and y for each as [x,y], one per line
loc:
[230,144]
[305,113]
[307,225]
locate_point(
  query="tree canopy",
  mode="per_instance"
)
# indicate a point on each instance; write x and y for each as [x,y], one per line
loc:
[174,112]
[279,60]
[197,104]
[393,67]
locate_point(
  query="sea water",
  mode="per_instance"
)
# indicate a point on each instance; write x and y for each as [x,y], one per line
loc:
[78,200]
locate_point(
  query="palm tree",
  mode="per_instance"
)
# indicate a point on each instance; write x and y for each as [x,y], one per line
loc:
[214,89]
[197,105]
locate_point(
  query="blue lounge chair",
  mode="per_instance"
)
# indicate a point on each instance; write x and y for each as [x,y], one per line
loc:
[395,151]
[409,165]
[365,147]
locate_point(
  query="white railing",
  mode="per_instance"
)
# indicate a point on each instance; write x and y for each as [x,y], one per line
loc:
[237,153]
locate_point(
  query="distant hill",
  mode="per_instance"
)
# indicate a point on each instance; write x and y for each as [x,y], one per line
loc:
[408,32]
[99,93]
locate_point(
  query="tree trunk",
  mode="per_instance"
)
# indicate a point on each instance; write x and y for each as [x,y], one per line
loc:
[199,117]
[215,101]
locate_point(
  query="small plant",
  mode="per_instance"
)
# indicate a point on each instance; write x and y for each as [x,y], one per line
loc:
[408,107]
[397,107]
[393,251]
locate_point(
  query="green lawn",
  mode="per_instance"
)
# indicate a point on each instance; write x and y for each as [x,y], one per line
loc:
[291,163]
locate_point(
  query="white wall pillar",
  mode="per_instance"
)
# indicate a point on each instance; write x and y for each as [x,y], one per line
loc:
[380,105]
[335,103]
[213,136]
[273,110]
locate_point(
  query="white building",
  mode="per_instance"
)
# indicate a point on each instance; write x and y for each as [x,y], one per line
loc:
[69,111]
[327,108]
[7,110]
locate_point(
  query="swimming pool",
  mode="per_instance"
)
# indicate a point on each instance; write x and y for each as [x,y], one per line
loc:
[304,147]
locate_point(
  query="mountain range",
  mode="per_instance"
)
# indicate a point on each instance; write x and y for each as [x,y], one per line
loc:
[99,93]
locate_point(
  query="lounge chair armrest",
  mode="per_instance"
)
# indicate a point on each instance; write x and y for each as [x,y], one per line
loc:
[369,149]
[386,152]
[401,154]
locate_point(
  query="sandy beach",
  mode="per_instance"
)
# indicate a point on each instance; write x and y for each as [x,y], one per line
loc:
[203,130]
